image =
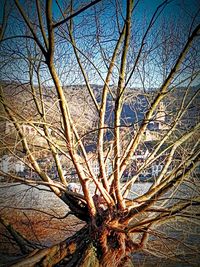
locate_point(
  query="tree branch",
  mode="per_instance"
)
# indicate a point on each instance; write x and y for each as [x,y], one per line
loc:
[76,13]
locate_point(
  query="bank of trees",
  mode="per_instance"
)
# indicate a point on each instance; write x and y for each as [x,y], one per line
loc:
[56,43]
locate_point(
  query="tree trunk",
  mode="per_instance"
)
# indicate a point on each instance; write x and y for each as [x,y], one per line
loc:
[89,247]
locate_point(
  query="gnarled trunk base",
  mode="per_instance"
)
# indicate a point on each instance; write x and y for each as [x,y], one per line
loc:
[87,248]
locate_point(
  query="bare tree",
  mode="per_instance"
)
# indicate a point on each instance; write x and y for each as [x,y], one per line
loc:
[140,122]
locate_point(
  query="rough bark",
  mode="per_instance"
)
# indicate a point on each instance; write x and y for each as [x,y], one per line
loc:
[87,247]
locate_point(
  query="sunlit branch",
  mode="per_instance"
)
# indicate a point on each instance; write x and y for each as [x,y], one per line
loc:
[45,128]
[29,154]
[103,109]
[148,199]
[76,13]
[176,144]
[66,114]
[115,187]
[135,141]
[34,124]
[33,182]
[171,211]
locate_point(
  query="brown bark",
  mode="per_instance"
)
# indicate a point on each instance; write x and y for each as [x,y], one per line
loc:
[102,246]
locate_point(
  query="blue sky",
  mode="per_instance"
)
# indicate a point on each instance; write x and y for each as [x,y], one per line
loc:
[147,7]
[177,9]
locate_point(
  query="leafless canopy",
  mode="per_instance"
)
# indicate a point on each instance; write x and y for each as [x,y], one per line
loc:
[93,92]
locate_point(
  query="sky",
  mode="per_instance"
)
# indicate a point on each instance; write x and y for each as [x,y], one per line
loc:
[175,9]
[148,6]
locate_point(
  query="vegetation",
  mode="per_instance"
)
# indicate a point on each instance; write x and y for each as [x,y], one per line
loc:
[139,63]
